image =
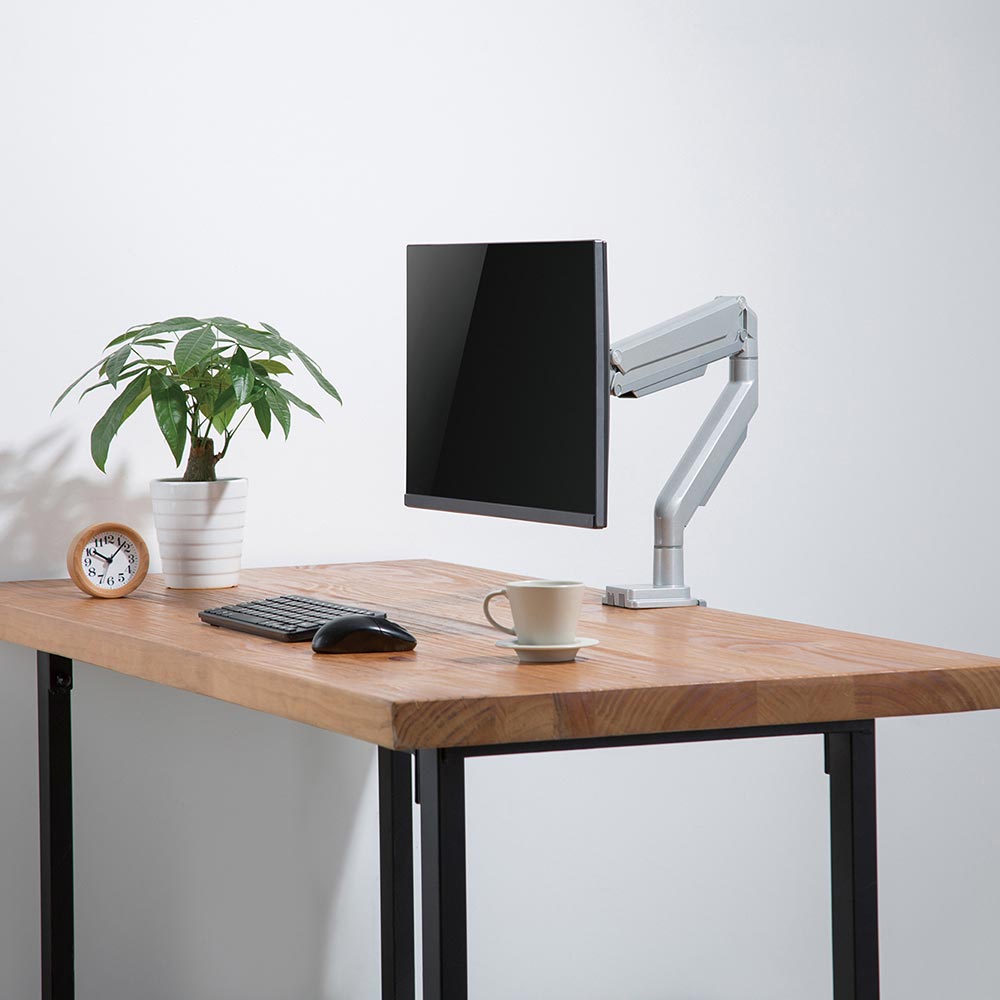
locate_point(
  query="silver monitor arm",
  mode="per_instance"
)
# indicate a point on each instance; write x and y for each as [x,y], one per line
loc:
[664,355]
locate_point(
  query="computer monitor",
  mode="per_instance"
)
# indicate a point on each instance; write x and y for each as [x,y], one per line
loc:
[508,378]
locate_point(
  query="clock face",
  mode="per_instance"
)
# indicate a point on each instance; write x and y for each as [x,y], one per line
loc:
[107,560]
[110,560]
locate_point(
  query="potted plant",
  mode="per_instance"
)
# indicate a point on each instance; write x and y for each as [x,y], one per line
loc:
[203,377]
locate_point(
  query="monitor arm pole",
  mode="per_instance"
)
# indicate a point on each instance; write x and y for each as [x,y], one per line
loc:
[665,355]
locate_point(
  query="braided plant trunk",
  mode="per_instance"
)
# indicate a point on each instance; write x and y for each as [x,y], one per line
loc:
[201,461]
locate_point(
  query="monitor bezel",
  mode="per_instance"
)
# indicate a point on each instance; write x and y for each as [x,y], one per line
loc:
[602,346]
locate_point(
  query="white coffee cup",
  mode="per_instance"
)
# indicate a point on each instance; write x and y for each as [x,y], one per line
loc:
[545,612]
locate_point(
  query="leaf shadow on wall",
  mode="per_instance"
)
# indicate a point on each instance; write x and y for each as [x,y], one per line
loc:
[42,508]
[249,819]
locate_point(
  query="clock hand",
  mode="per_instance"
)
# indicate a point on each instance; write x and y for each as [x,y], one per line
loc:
[101,555]
[120,547]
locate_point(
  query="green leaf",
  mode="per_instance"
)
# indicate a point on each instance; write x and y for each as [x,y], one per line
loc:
[257,340]
[207,372]
[130,369]
[75,383]
[222,418]
[205,400]
[116,414]
[314,370]
[170,406]
[280,409]
[263,414]
[174,325]
[222,409]
[193,348]
[211,394]
[137,402]
[272,367]
[301,404]
[91,388]
[227,325]
[153,341]
[270,329]
[116,363]
[130,334]
[242,374]
[152,329]
[225,399]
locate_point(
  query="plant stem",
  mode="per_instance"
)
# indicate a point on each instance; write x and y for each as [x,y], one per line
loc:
[246,414]
[229,437]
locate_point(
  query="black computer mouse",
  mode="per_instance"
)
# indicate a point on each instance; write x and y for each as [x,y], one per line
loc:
[362,634]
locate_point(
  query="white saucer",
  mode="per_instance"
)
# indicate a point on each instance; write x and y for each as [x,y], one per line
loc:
[547,654]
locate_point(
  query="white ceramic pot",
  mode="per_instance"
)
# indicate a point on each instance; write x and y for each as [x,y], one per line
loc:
[199,527]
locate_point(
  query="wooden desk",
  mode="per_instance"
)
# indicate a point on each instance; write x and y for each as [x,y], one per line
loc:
[658,676]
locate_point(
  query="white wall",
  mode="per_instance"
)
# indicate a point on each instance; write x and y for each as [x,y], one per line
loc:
[836,163]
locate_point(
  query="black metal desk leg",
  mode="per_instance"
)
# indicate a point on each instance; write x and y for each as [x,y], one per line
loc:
[55,801]
[850,762]
[441,785]
[395,815]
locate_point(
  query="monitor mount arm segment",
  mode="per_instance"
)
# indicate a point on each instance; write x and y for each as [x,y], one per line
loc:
[676,351]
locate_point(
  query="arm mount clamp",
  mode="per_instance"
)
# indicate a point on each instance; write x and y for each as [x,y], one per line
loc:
[665,355]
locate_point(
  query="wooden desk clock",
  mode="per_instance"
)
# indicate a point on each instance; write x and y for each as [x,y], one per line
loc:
[108,560]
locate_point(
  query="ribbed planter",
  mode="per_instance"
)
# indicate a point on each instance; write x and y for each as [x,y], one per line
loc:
[199,527]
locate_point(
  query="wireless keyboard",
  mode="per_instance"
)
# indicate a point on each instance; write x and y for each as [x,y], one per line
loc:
[290,618]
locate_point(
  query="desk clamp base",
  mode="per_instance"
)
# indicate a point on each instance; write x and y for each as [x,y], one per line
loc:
[642,595]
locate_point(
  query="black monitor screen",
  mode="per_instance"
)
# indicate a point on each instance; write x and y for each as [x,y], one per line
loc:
[507,380]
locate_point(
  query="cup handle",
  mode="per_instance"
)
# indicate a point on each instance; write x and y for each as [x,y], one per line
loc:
[486,611]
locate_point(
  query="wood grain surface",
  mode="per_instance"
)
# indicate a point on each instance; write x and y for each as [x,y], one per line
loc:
[654,671]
